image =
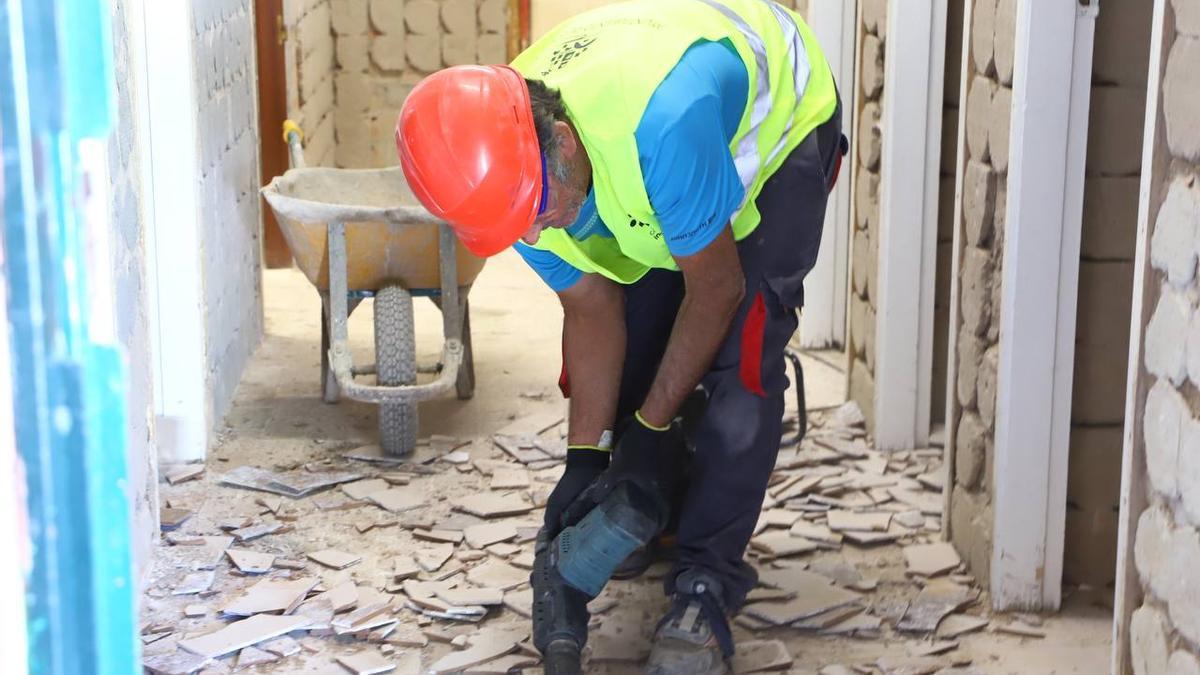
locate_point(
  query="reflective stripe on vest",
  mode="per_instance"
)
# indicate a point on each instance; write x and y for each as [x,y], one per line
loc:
[747,159]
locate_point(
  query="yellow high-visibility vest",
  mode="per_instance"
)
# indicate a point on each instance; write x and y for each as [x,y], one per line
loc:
[608,62]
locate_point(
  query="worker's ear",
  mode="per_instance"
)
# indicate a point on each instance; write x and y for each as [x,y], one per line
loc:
[566,139]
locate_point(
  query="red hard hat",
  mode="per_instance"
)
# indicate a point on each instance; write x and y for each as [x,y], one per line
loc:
[469,150]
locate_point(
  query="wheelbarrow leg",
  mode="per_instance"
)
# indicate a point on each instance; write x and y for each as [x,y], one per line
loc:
[329,387]
[465,384]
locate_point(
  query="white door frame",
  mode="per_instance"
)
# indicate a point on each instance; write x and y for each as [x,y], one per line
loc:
[910,163]
[823,321]
[167,138]
[1048,147]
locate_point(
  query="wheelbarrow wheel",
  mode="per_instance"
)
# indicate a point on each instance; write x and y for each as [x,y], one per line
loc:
[396,364]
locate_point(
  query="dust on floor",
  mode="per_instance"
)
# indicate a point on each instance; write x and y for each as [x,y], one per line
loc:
[436,532]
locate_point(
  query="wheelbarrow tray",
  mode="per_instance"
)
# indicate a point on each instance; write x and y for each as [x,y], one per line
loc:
[390,237]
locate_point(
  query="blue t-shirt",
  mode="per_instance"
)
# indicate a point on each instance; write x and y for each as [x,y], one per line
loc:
[683,148]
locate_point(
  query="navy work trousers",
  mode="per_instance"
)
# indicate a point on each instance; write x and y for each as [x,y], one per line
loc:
[738,437]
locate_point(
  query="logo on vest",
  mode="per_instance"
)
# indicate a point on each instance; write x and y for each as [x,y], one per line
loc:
[569,50]
[635,223]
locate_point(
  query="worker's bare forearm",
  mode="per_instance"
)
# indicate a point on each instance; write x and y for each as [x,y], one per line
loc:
[715,287]
[594,349]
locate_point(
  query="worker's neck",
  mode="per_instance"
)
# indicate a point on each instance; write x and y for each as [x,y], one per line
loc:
[580,163]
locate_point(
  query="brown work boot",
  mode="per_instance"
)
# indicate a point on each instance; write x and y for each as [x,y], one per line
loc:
[694,637]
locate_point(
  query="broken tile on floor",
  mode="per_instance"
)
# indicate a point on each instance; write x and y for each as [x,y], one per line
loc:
[850,521]
[397,499]
[431,559]
[493,506]
[910,519]
[939,598]
[522,449]
[929,503]
[193,583]
[484,647]
[503,549]
[256,531]
[367,662]
[359,489]
[281,646]
[195,611]
[813,598]
[781,544]
[243,633]
[174,663]
[486,534]
[270,595]
[170,519]
[497,574]
[755,656]
[828,618]
[860,625]
[503,665]
[509,479]
[929,560]
[816,533]
[182,474]
[442,536]
[333,558]
[290,483]
[252,656]
[960,624]
[487,597]
[250,562]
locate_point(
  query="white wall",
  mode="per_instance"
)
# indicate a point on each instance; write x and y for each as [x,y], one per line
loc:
[130,302]
[224,63]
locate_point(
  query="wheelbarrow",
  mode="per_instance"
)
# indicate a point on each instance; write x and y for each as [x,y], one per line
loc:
[358,234]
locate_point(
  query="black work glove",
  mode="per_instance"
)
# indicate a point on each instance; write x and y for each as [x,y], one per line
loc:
[584,464]
[650,459]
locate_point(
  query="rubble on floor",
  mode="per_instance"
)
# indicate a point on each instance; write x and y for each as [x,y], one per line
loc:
[421,564]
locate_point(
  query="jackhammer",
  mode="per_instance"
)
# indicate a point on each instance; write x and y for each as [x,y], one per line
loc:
[573,568]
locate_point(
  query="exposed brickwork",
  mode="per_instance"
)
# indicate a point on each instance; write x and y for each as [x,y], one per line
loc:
[1167,539]
[864,250]
[1112,173]
[985,181]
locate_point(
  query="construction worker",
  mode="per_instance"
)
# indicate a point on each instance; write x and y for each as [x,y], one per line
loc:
[663,165]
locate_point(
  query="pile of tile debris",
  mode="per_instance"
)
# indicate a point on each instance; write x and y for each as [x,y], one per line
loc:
[258,586]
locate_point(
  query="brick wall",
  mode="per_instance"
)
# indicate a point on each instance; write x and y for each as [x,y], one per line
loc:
[1164,632]
[864,244]
[1118,111]
[229,218]
[131,304]
[384,47]
[309,58]
[952,83]
[988,115]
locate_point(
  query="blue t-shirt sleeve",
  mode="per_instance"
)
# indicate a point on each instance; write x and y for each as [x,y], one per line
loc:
[683,144]
[558,274]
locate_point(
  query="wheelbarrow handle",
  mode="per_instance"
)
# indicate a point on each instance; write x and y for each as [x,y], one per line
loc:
[288,127]
[293,135]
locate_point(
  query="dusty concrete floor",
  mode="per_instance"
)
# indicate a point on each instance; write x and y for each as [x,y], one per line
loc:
[278,421]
